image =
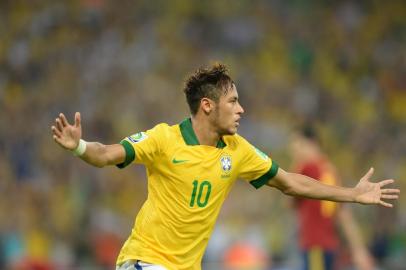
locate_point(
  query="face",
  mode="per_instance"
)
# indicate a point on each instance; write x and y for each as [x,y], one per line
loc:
[227,113]
[301,149]
[296,147]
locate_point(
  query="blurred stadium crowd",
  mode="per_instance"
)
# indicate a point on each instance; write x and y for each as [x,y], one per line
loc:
[341,64]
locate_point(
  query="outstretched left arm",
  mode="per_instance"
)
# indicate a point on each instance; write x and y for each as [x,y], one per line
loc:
[364,192]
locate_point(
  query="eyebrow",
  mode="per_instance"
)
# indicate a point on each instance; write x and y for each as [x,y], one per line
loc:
[233,98]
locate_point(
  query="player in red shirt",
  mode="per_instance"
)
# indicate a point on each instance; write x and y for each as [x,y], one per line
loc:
[318,236]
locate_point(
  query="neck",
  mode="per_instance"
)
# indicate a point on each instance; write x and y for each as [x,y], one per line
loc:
[204,130]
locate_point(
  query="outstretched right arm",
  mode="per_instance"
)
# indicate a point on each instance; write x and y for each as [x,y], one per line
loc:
[68,137]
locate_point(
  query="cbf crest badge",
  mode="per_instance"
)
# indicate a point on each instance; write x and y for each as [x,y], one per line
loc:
[226,165]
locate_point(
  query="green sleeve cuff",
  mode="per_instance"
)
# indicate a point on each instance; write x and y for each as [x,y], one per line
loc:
[129,154]
[259,182]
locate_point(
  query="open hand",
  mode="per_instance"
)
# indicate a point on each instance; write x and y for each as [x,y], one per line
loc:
[65,134]
[374,193]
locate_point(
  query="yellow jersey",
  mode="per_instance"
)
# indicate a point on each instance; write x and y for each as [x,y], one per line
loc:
[187,184]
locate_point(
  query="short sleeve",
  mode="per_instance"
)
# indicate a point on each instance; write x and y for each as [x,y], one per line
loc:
[257,168]
[143,147]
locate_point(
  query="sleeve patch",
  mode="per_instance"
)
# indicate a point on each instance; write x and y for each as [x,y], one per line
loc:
[138,137]
[261,154]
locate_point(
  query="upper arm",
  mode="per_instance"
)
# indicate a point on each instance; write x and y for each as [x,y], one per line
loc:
[115,154]
[143,147]
[289,183]
[256,167]
[281,180]
[101,155]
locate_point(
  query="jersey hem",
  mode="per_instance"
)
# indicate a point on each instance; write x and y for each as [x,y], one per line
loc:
[146,260]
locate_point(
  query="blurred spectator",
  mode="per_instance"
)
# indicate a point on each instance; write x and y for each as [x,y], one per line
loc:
[318,220]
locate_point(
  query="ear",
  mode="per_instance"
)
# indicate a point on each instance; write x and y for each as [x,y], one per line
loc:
[207,105]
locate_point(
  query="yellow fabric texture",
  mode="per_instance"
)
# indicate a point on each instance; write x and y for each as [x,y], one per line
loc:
[187,185]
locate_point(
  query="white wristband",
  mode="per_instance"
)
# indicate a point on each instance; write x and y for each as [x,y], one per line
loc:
[80,150]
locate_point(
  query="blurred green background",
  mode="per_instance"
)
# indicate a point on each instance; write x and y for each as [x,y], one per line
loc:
[341,64]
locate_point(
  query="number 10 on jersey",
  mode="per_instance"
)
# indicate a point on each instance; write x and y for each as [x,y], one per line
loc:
[199,189]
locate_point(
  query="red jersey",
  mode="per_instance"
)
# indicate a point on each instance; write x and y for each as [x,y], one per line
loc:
[316,218]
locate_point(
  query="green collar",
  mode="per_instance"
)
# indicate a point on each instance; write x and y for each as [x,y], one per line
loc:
[189,135]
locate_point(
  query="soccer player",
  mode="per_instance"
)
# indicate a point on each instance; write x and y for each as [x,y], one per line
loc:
[191,168]
[318,237]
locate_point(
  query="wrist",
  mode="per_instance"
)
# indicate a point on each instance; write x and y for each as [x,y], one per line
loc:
[354,196]
[80,149]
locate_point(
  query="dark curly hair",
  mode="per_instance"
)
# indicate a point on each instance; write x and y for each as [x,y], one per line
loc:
[209,83]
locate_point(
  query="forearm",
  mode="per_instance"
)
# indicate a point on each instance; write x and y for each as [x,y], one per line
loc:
[100,155]
[302,186]
[97,154]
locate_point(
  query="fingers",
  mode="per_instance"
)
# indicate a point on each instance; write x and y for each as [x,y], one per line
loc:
[390,191]
[58,124]
[368,174]
[56,131]
[57,139]
[386,182]
[385,204]
[389,197]
[77,119]
[63,119]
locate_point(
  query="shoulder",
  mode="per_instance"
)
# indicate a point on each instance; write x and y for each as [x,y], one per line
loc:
[164,131]
[161,126]
[159,129]
[157,133]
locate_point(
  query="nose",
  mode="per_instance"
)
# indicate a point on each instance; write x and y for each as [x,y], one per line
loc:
[240,109]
